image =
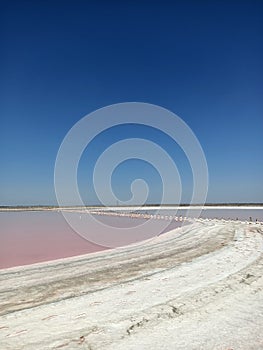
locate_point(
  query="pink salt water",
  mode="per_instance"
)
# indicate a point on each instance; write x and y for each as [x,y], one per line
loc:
[28,237]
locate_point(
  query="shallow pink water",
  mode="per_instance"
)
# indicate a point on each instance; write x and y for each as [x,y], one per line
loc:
[29,237]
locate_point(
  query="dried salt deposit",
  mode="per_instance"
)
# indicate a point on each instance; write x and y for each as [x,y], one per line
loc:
[196,287]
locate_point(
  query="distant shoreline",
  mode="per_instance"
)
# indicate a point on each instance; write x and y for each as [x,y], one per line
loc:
[136,207]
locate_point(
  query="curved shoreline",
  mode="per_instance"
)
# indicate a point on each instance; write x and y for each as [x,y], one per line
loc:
[182,220]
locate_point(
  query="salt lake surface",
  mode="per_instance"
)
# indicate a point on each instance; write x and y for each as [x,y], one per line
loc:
[28,237]
[231,213]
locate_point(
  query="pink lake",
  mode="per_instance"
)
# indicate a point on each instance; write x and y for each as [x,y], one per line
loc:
[28,237]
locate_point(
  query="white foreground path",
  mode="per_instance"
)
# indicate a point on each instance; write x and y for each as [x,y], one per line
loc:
[198,287]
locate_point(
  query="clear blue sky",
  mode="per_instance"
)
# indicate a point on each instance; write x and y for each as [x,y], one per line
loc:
[60,60]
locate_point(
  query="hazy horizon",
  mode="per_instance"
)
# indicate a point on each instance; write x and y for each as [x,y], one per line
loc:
[135,205]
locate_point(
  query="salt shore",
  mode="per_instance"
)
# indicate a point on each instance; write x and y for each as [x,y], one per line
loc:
[196,287]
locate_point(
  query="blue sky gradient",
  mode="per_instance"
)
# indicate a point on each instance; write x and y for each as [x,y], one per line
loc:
[62,60]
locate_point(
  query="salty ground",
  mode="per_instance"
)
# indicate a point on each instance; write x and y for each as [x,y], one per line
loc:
[196,287]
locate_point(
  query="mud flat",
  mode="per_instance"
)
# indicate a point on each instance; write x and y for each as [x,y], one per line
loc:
[195,287]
